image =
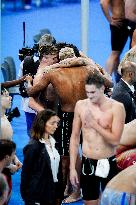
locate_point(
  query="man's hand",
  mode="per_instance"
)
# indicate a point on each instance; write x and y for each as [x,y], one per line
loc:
[116,23]
[29,78]
[22,78]
[90,121]
[91,124]
[17,163]
[74,178]
[13,168]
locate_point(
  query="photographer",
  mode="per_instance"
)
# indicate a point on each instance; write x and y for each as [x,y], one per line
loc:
[7,134]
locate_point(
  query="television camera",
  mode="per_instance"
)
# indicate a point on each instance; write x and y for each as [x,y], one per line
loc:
[25,51]
[29,65]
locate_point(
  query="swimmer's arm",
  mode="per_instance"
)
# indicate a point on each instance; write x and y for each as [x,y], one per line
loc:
[56,65]
[37,78]
[128,137]
[12,83]
[75,137]
[29,80]
[47,68]
[105,7]
[113,135]
[33,104]
[39,86]
[69,62]
[74,145]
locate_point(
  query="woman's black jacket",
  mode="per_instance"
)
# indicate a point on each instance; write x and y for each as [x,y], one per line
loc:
[36,178]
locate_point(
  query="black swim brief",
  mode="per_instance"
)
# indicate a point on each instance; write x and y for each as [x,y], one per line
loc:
[63,133]
[93,185]
[119,35]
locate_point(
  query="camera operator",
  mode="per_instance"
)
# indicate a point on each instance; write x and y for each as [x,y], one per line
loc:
[32,69]
[29,65]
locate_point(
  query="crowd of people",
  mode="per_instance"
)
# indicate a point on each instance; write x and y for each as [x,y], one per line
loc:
[82,131]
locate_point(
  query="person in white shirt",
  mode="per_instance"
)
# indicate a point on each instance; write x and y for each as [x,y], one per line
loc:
[41,177]
[28,65]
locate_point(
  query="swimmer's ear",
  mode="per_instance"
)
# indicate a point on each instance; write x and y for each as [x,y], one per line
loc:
[102,88]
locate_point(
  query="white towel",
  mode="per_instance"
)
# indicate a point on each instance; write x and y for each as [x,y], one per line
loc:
[102,168]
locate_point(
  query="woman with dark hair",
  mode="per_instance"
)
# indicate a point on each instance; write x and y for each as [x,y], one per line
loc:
[40,177]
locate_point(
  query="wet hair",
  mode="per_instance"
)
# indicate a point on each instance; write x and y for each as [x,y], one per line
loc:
[66,53]
[63,45]
[48,50]
[46,39]
[7,147]
[95,79]
[38,127]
